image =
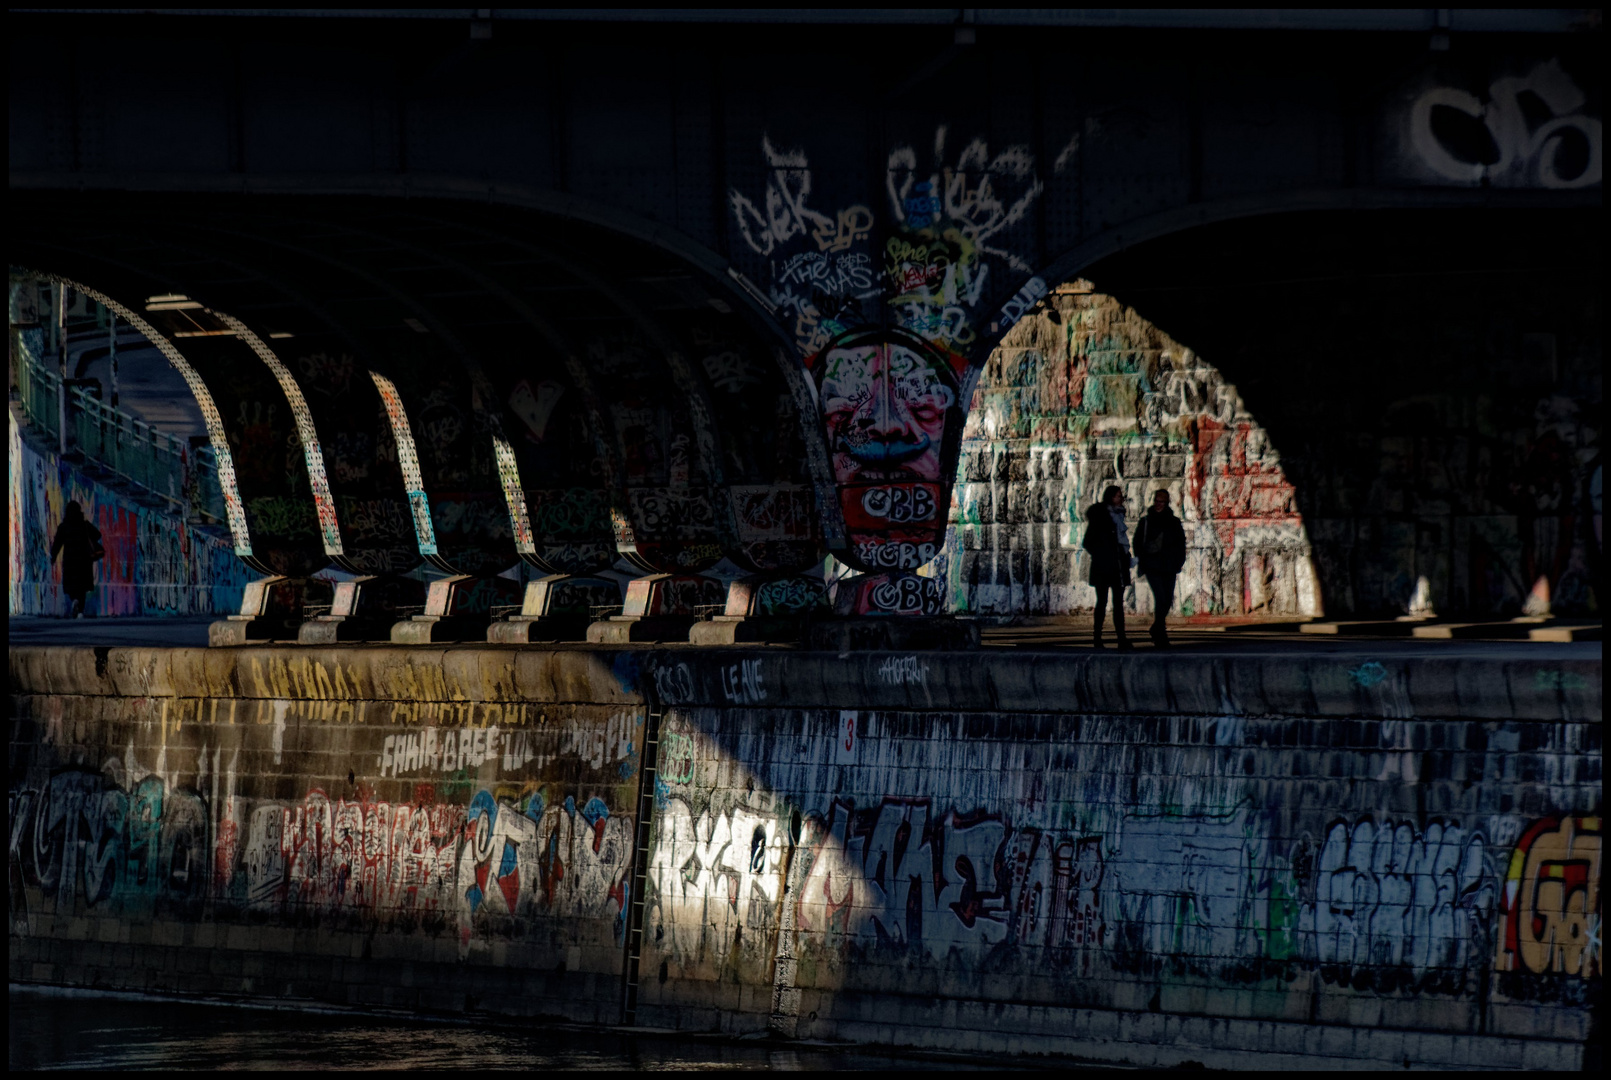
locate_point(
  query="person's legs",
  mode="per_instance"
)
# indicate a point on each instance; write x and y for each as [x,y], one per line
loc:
[1118,615]
[1101,611]
[1163,598]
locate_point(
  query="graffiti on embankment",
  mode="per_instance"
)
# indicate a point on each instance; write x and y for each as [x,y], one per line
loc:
[1380,905]
[1147,887]
[1130,851]
[455,855]
[155,563]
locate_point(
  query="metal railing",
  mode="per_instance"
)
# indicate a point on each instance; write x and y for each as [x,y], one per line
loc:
[165,466]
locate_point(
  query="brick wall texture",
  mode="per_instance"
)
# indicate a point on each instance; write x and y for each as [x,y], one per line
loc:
[982,853]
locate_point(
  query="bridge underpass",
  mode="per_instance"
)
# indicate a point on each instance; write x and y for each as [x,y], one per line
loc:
[673,314]
[1497,550]
[805,241]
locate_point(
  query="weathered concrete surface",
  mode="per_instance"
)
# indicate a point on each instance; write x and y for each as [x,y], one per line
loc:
[1155,858]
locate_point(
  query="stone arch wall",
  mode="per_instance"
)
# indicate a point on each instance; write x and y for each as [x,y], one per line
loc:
[1084,393]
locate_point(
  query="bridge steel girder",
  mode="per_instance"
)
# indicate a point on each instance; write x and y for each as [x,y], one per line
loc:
[886,201]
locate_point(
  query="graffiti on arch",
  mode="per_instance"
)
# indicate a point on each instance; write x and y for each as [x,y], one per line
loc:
[1529,130]
[885,306]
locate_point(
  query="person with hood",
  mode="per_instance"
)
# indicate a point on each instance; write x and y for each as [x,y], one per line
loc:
[1107,540]
[1160,547]
[79,544]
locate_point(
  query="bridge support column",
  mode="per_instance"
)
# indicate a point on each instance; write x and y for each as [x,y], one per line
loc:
[764,608]
[363,610]
[558,607]
[457,608]
[660,607]
[271,609]
[895,610]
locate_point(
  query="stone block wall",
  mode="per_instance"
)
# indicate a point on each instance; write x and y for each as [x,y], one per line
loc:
[1335,849]
[1083,394]
[1161,859]
[1450,465]
[289,829]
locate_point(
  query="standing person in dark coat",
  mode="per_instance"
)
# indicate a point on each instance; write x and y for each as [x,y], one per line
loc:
[1107,539]
[79,544]
[1160,548]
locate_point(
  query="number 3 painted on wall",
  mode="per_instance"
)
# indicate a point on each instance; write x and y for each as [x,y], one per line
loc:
[845,748]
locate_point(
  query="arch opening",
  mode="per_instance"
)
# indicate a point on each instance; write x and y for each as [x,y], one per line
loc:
[494,343]
[1409,397]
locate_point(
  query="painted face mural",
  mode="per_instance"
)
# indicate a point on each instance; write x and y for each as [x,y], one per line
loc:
[889,411]
[892,310]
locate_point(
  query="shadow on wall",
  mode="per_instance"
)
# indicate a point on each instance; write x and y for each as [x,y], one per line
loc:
[1085,393]
[1432,380]
[155,564]
[1105,881]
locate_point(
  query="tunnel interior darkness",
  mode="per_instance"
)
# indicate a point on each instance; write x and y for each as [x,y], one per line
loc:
[482,385]
[1430,378]
[489,385]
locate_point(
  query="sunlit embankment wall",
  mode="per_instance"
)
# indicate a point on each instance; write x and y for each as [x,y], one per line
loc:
[1152,859]
[156,563]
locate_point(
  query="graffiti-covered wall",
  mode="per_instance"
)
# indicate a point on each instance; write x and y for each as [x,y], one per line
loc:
[1018,852]
[1233,862]
[1083,394]
[480,835]
[156,563]
[1453,467]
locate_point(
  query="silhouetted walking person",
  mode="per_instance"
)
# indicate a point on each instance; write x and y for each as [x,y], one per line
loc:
[79,544]
[1107,539]
[1160,548]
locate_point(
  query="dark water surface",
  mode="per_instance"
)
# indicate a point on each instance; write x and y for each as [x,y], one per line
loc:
[60,1030]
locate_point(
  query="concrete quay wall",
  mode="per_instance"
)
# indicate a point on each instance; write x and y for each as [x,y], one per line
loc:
[1149,858]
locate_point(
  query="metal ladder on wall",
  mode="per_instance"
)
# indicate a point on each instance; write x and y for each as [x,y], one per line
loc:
[640,861]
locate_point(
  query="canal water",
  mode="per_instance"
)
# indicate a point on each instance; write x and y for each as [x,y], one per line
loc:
[61,1030]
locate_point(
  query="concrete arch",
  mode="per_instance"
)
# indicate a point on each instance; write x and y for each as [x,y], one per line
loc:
[717,428]
[214,234]
[1083,393]
[217,435]
[496,558]
[412,187]
[297,534]
[1071,263]
[1426,367]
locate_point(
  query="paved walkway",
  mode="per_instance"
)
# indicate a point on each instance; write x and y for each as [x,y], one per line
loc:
[174,630]
[192,631]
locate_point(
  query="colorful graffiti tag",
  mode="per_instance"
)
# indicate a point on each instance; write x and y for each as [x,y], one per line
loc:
[885,316]
[126,841]
[155,564]
[1087,394]
[889,408]
[1551,900]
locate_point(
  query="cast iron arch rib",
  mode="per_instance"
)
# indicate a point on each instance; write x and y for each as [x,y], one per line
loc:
[216,437]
